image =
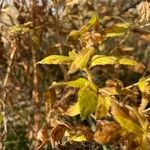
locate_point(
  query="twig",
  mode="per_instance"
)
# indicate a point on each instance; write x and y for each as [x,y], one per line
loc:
[120,43]
[136,84]
[145,25]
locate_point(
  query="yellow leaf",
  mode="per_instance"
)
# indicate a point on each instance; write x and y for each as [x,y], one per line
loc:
[117,30]
[79,83]
[1,119]
[94,19]
[20,28]
[81,60]
[93,22]
[127,61]
[76,137]
[87,99]
[121,115]
[103,60]
[73,110]
[111,60]
[73,36]
[79,138]
[72,54]
[55,59]
[142,84]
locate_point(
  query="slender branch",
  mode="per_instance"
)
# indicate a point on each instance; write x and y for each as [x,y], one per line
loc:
[120,43]
[136,84]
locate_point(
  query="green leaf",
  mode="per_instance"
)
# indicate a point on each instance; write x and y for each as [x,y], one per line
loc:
[117,30]
[81,60]
[55,59]
[87,99]
[103,106]
[122,116]
[103,60]
[127,61]
[73,110]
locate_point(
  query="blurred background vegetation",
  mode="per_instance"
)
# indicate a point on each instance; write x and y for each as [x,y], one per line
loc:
[33,29]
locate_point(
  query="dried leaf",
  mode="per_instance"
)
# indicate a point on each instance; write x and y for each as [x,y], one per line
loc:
[86,131]
[49,98]
[143,10]
[139,68]
[57,133]
[43,135]
[71,2]
[144,145]
[103,106]
[109,91]
[127,49]
[107,133]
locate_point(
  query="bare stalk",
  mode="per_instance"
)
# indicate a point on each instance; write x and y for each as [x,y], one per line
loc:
[58,35]
[5,82]
[35,95]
